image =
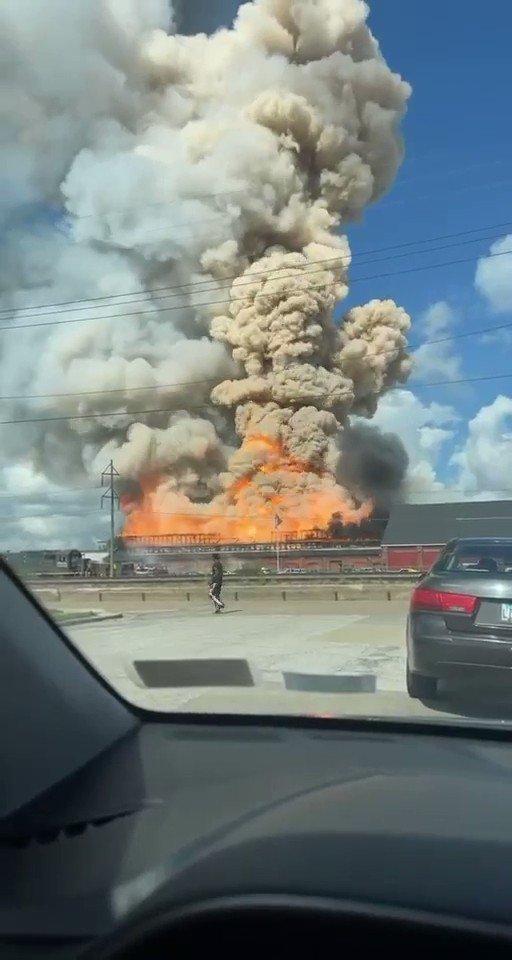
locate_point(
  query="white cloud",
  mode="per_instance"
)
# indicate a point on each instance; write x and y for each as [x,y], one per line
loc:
[437,361]
[503,338]
[21,478]
[437,318]
[36,514]
[38,526]
[44,526]
[485,461]
[481,467]
[424,430]
[493,278]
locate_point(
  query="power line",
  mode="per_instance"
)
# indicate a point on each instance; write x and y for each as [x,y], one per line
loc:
[451,383]
[93,393]
[225,516]
[430,266]
[165,232]
[396,201]
[146,298]
[198,517]
[465,490]
[78,304]
[440,152]
[471,333]
[68,492]
[205,518]
[91,416]
[207,406]
[215,380]
[15,517]
[209,303]
[447,172]
[154,311]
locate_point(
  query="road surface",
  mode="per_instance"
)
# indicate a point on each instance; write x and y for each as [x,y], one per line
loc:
[302,635]
[327,638]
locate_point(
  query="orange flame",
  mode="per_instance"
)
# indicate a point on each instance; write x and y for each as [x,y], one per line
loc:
[270,499]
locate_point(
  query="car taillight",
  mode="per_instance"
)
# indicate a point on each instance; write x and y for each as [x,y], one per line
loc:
[425,599]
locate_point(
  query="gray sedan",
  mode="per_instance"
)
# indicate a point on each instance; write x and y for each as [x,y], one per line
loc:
[460,621]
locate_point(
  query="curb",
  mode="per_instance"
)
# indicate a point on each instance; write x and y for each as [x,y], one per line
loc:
[330,683]
[75,622]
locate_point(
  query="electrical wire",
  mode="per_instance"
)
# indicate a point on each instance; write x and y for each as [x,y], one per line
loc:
[209,303]
[83,303]
[15,517]
[147,299]
[205,406]
[392,200]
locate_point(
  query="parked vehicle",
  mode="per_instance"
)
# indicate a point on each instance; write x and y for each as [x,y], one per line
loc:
[460,619]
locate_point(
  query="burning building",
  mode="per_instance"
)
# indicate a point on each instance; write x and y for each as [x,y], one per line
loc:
[297,374]
[208,185]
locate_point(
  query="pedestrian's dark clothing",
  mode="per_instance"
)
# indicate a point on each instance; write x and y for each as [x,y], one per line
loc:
[217,574]
[215,589]
[216,578]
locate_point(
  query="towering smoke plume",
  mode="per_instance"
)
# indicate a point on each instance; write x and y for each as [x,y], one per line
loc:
[193,281]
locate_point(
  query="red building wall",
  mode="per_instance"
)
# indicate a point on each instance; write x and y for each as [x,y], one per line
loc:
[430,555]
[419,558]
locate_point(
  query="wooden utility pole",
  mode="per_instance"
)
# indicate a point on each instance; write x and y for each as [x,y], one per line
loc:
[112,498]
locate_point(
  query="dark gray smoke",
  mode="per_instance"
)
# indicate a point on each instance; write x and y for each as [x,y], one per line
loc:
[372,463]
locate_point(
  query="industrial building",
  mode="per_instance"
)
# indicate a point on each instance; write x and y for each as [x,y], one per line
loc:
[411,540]
[28,563]
[416,532]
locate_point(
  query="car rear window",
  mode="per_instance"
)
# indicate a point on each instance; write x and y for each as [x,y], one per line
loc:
[486,559]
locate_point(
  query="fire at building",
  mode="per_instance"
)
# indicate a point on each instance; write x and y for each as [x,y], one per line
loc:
[409,539]
[331,549]
[241,382]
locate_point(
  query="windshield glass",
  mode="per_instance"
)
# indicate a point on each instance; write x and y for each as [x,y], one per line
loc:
[255,295]
[486,557]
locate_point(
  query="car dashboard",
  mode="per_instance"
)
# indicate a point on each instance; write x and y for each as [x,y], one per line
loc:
[192,833]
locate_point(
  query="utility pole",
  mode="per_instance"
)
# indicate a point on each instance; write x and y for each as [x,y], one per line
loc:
[112,498]
[277,524]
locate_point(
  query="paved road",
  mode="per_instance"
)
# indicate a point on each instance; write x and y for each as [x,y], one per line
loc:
[348,638]
[308,636]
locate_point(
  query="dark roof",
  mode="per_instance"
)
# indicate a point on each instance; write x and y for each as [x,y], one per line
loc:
[436,523]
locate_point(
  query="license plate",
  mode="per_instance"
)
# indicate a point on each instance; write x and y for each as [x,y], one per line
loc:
[506,612]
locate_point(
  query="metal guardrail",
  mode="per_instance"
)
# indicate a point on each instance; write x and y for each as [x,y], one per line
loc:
[267,579]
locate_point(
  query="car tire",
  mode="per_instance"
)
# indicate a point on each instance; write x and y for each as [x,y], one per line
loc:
[420,687]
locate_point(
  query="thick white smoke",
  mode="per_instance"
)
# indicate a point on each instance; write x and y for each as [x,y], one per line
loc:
[204,182]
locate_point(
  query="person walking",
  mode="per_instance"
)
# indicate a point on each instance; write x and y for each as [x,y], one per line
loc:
[216,578]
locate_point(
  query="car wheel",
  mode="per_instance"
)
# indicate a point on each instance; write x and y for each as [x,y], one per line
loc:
[420,687]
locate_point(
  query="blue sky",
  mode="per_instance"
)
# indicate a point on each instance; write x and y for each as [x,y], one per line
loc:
[455,178]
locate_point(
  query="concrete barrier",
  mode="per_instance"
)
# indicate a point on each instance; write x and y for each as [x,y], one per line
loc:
[330,683]
[173,596]
[237,578]
[222,672]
